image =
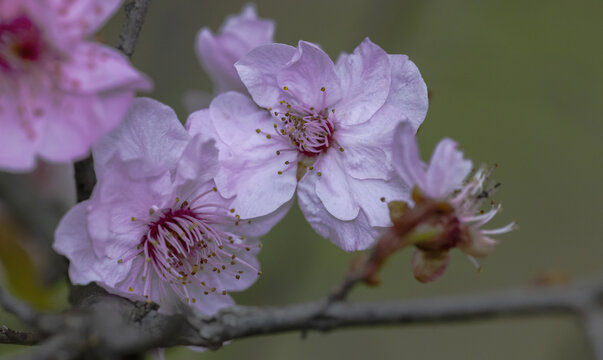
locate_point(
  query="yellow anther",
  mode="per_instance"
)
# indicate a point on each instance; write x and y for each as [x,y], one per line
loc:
[268,136]
[280,172]
[319,173]
[285,88]
[258,131]
[133,218]
[322,89]
[130,289]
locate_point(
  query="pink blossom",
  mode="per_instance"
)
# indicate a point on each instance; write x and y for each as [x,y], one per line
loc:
[325,126]
[160,233]
[58,91]
[237,36]
[444,179]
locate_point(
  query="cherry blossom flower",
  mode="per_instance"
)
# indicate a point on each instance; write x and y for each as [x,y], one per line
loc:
[58,91]
[444,180]
[163,233]
[324,129]
[218,53]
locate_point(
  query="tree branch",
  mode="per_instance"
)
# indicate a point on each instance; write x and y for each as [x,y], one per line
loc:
[135,13]
[142,327]
[9,336]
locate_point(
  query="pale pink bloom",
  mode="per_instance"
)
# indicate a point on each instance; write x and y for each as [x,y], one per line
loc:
[161,233]
[59,92]
[445,179]
[327,126]
[238,35]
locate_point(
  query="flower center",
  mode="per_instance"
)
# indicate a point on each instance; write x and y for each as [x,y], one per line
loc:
[183,246]
[20,43]
[309,130]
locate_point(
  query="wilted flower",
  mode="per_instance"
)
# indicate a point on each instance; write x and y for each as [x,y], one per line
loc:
[218,53]
[444,180]
[327,126]
[162,234]
[58,92]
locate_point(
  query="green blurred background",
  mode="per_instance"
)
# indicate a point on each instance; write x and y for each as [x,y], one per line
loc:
[519,83]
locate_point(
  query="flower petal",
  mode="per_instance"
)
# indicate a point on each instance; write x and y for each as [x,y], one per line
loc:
[447,169]
[309,71]
[365,81]
[408,91]
[258,70]
[405,157]
[367,147]
[150,138]
[333,187]
[429,265]
[94,68]
[17,149]
[352,235]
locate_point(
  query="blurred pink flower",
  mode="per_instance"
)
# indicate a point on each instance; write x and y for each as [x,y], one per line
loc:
[160,233]
[239,34]
[327,126]
[444,180]
[58,92]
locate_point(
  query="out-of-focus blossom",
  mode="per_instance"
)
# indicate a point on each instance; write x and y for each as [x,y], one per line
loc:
[444,180]
[160,233]
[218,53]
[327,126]
[58,91]
[239,35]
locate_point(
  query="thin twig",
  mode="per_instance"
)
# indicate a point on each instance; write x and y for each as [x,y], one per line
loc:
[10,336]
[135,13]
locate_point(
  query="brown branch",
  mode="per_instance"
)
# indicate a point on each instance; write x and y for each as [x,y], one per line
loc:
[135,13]
[142,327]
[9,336]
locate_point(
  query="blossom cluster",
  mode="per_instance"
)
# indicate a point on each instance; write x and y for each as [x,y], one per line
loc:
[178,209]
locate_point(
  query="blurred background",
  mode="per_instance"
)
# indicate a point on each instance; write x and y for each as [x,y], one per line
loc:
[517,83]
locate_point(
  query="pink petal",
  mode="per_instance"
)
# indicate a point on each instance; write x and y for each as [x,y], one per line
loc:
[352,235]
[150,138]
[333,187]
[94,68]
[117,198]
[17,149]
[249,162]
[372,195]
[405,158]
[310,70]
[408,91]
[254,181]
[365,81]
[429,265]
[72,240]
[240,34]
[447,170]
[258,70]
[71,21]
[368,146]
[236,119]
[199,161]
[217,58]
